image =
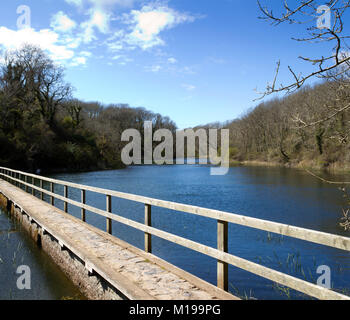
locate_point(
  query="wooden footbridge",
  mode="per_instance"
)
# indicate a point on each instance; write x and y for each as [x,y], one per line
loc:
[138,274]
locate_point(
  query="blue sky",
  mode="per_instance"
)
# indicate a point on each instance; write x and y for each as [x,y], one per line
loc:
[196,61]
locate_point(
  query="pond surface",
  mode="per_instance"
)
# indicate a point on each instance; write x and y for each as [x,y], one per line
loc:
[277,194]
[40,279]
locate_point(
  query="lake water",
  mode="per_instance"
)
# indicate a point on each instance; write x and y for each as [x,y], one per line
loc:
[47,281]
[277,194]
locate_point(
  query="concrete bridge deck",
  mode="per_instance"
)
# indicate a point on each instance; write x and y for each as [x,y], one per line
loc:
[134,274]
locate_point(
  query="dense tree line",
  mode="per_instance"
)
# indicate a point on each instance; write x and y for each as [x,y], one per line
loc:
[43,127]
[305,128]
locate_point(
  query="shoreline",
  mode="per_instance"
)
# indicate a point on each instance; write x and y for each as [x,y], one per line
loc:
[333,169]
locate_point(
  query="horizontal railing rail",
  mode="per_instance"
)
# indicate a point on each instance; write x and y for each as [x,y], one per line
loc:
[220,253]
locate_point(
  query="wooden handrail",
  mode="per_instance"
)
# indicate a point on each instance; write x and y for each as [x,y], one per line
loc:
[219,253]
[309,235]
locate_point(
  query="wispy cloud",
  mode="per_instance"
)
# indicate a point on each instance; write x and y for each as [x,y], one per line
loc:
[60,22]
[188,87]
[217,60]
[172,60]
[146,25]
[100,16]
[77,61]
[77,3]
[106,3]
[122,59]
[70,41]
[155,68]
[101,3]
[99,19]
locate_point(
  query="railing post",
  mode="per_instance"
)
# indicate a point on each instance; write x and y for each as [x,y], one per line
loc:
[83,201]
[148,222]
[109,209]
[222,267]
[33,183]
[26,181]
[52,190]
[66,196]
[41,187]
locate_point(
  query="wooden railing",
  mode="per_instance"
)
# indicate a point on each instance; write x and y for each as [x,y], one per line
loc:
[26,180]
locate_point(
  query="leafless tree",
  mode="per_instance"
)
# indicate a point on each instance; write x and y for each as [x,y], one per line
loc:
[324,24]
[334,65]
[40,79]
[308,12]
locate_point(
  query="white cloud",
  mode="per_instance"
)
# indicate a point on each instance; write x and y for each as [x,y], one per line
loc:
[123,60]
[116,46]
[62,23]
[77,61]
[77,3]
[98,19]
[187,70]
[101,3]
[85,54]
[147,24]
[189,87]
[46,39]
[106,3]
[64,40]
[100,15]
[217,60]
[58,48]
[154,69]
[172,60]
[71,42]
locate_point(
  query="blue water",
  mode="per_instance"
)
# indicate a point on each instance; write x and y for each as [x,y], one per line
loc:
[277,194]
[45,280]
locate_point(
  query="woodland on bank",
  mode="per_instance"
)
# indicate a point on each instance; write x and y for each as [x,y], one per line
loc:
[42,126]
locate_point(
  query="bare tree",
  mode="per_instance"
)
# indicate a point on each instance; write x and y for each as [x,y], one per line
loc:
[309,12]
[40,79]
[324,24]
